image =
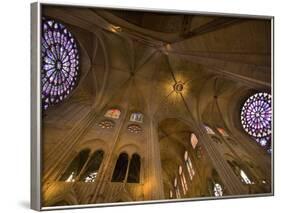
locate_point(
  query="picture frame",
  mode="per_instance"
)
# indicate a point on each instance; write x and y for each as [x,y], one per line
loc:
[68,119]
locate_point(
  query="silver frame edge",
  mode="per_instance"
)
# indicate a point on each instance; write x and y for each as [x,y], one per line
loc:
[35,134]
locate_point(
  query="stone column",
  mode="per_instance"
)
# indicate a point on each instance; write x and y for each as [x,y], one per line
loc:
[153,183]
[262,159]
[228,177]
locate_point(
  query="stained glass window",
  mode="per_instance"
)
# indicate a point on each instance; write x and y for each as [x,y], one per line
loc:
[209,130]
[189,165]
[92,169]
[217,190]
[113,113]
[183,181]
[175,182]
[75,166]
[244,178]
[240,173]
[178,195]
[60,62]
[136,117]
[256,118]
[171,194]
[193,140]
[222,132]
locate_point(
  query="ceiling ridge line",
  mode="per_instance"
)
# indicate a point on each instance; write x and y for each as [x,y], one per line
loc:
[215,58]
[146,60]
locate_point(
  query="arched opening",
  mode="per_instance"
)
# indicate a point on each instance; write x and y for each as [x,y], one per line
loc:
[176,188]
[183,180]
[243,173]
[217,187]
[184,167]
[193,140]
[171,194]
[75,166]
[92,167]
[134,169]
[120,169]
[222,132]
[189,165]
[209,130]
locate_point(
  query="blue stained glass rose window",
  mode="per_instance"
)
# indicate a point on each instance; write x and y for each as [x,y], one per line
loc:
[60,62]
[256,117]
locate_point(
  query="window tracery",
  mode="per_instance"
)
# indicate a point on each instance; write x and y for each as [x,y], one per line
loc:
[60,62]
[106,124]
[256,118]
[92,167]
[75,167]
[134,169]
[134,128]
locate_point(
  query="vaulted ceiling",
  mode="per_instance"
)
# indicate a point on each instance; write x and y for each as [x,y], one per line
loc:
[142,55]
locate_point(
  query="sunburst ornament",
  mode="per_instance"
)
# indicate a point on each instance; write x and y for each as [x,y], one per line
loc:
[178,87]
